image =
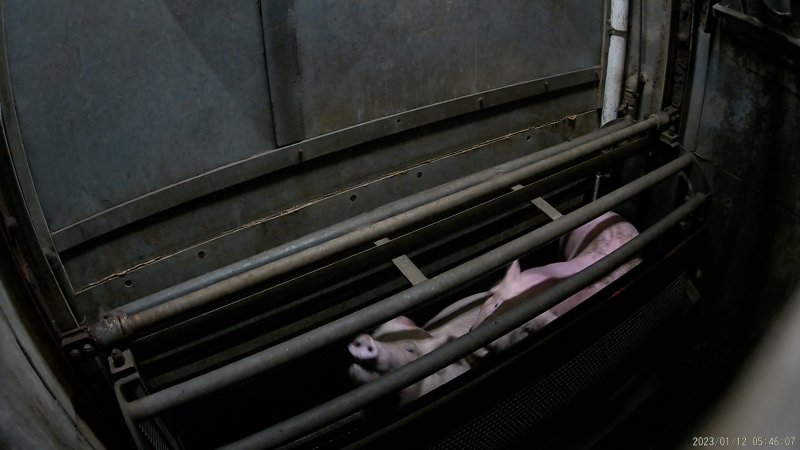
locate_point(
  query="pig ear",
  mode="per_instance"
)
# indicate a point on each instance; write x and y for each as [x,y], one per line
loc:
[513,272]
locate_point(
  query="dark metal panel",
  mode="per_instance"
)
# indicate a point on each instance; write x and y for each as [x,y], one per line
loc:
[120,99]
[753,90]
[279,209]
[359,61]
[274,160]
[280,40]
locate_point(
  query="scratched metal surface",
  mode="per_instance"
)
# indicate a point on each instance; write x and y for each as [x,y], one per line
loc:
[350,62]
[118,99]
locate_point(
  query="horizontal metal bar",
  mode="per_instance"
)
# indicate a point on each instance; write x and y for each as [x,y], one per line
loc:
[342,228]
[116,329]
[395,305]
[479,337]
[280,158]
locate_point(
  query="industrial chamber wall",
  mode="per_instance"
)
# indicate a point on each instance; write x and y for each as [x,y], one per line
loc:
[195,183]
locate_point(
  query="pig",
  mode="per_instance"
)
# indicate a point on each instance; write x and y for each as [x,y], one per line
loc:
[580,248]
[400,341]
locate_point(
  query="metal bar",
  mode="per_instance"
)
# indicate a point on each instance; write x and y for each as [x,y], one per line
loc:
[339,229]
[482,335]
[405,266]
[115,329]
[395,305]
[290,155]
[409,269]
[546,208]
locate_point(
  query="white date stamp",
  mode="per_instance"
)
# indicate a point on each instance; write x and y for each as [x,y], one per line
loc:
[743,441]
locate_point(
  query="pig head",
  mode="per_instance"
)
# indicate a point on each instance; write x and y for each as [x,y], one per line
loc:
[581,248]
[400,341]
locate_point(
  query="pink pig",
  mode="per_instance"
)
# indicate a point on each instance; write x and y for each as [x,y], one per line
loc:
[400,341]
[581,248]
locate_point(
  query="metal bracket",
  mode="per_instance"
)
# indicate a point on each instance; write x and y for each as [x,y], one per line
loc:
[148,434]
[598,177]
[78,344]
[546,208]
[670,137]
[121,364]
[615,32]
[406,266]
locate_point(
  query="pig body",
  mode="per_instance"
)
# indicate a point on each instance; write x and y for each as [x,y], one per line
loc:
[581,248]
[400,341]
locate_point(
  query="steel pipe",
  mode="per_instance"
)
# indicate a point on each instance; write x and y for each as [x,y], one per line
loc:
[615,64]
[501,324]
[118,328]
[395,305]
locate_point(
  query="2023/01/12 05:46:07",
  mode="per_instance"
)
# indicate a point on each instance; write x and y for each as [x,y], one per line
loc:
[743,441]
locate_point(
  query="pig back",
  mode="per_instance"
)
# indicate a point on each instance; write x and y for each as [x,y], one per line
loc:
[594,241]
[457,318]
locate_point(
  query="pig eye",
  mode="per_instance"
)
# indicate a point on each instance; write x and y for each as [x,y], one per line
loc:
[410,349]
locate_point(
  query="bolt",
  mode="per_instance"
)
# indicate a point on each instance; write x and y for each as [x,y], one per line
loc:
[117,357]
[74,353]
[87,349]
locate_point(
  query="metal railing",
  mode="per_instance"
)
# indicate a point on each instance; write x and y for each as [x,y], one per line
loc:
[354,323]
[129,322]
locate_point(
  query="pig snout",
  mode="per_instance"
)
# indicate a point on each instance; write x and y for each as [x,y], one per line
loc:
[363,348]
